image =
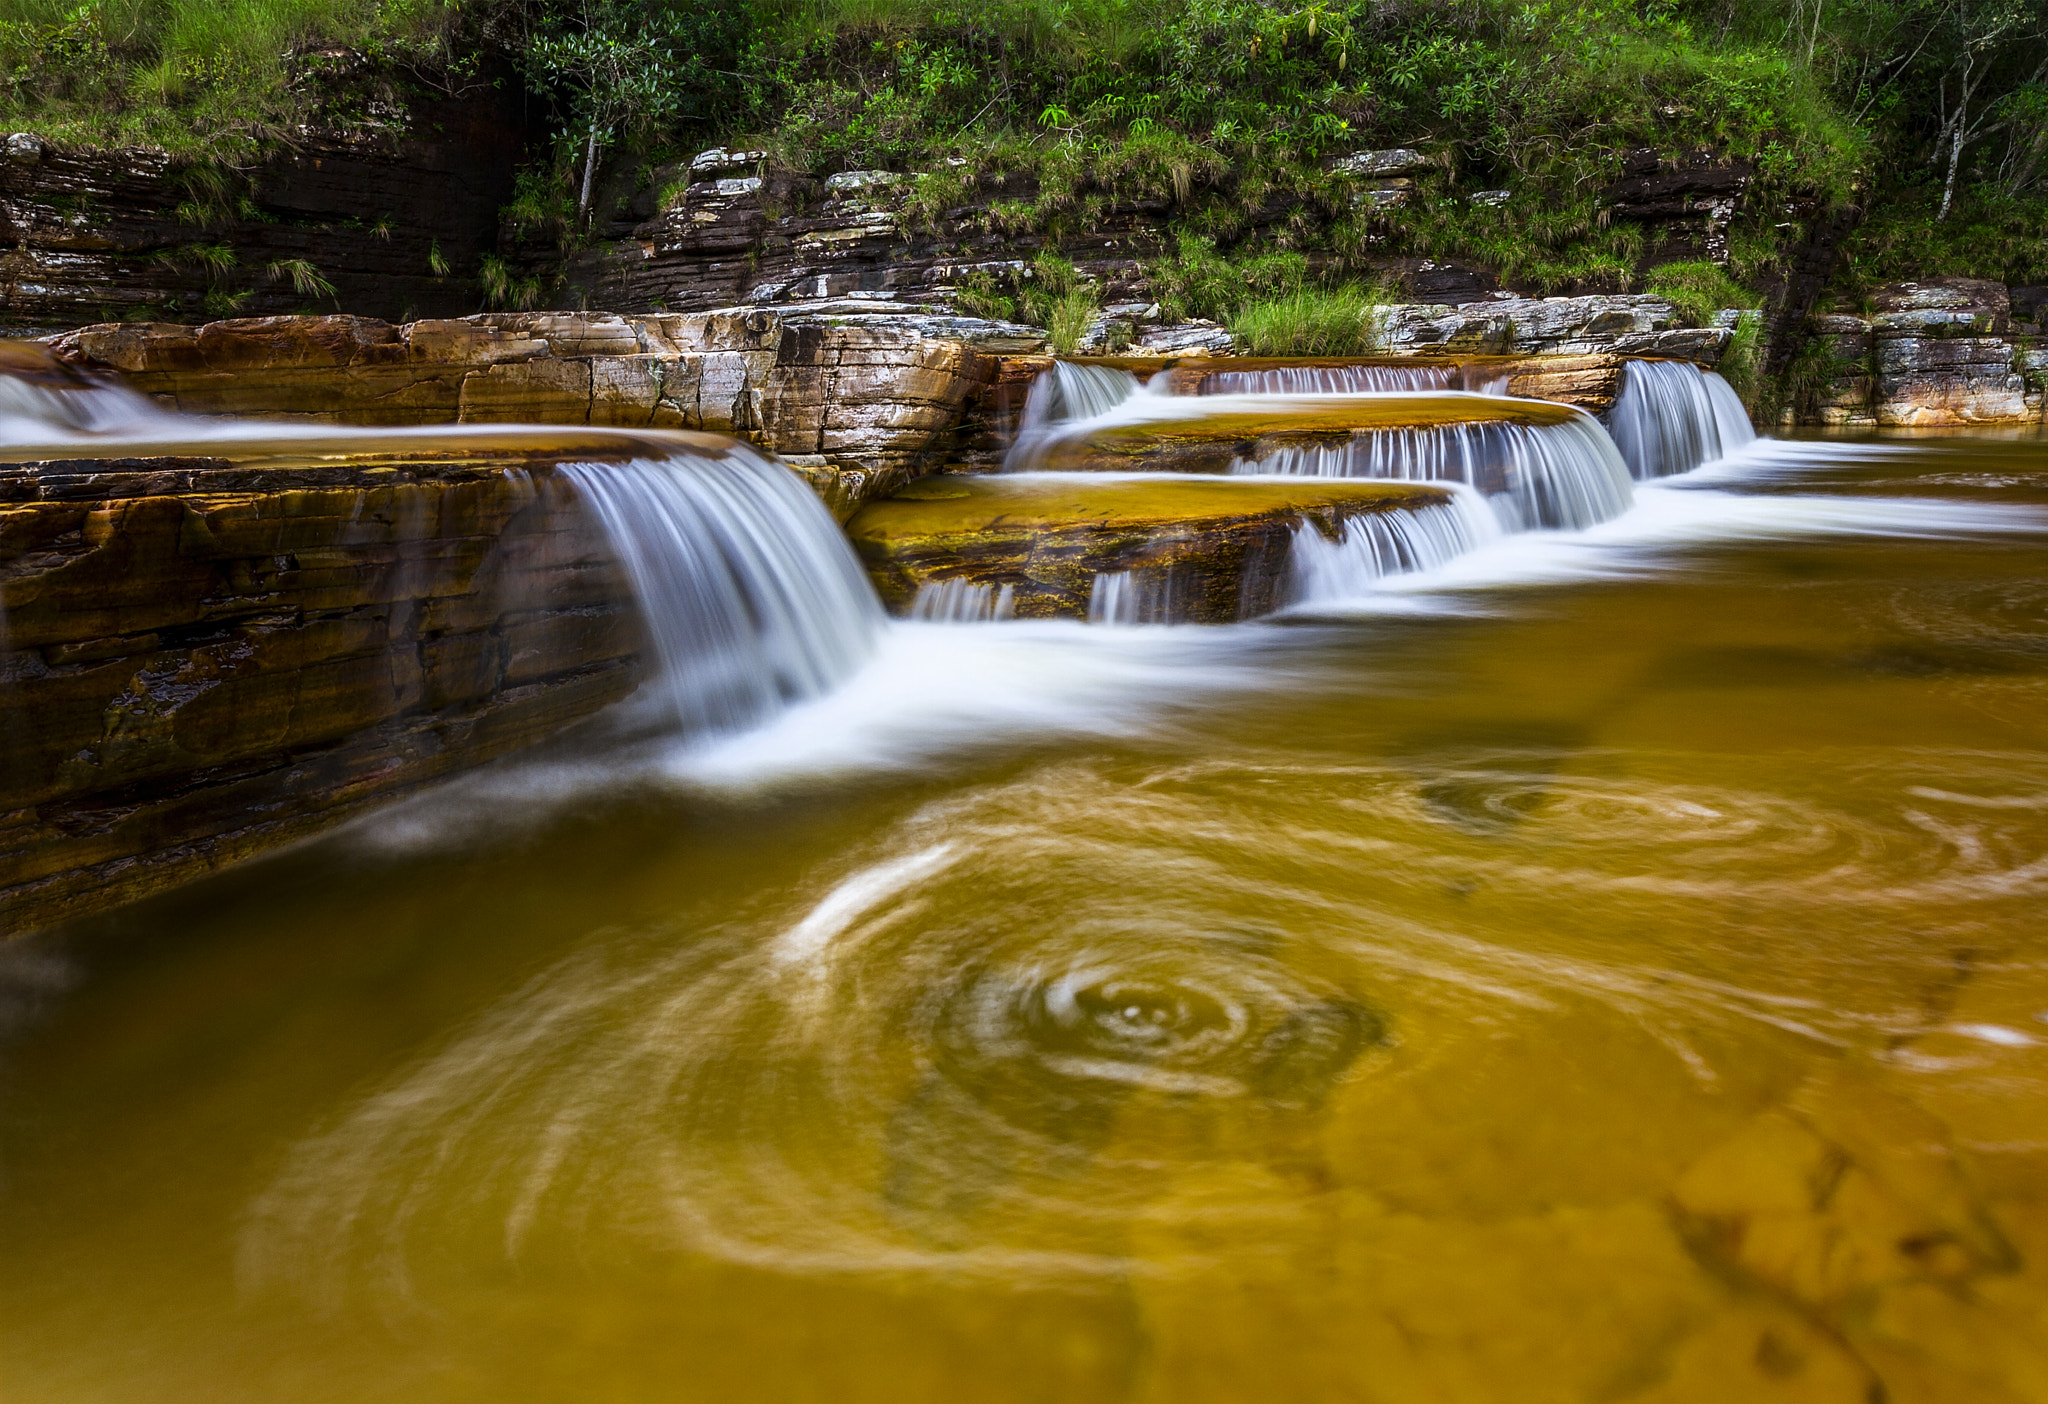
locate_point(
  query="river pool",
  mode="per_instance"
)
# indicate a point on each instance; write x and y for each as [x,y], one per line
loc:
[1611,967]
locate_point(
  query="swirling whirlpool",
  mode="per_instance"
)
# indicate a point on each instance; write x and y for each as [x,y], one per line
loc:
[986,1045]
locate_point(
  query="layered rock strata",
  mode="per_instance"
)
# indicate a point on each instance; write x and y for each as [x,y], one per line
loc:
[211,650]
[1941,353]
[391,219]
[1219,548]
[854,394]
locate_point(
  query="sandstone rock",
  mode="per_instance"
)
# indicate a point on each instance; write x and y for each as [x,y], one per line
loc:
[1942,307]
[1685,205]
[876,387]
[212,653]
[1046,539]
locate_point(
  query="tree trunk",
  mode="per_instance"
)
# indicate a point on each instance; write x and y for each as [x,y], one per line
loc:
[590,172]
[1948,186]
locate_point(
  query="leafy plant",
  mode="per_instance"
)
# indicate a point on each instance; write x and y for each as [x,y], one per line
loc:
[1698,290]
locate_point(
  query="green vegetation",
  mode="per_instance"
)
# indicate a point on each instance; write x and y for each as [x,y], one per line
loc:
[1929,115]
[1312,321]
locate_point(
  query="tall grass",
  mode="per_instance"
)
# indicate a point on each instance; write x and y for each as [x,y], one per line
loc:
[1346,320]
[196,77]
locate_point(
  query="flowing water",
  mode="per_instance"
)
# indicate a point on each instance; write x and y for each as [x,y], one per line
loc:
[1558,965]
[1671,417]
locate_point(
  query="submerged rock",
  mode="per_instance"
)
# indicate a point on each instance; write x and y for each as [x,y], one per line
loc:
[1046,538]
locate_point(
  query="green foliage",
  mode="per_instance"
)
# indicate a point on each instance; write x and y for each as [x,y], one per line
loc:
[503,288]
[1741,364]
[1699,290]
[303,275]
[1345,320]
[212,79]
[1054,297]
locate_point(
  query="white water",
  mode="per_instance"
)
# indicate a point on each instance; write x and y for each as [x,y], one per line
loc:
[1533,475]
[1333,380]
[33,411]
[1374,545]
[1671,417]
[1143,596]
[1067,396]
[751,595]
[962,602]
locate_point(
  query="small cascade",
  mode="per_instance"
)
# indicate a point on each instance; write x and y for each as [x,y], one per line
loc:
[1333,380]
[1067,395]
[752,597]
[1671,417]
[1141,596]
[1565,475]
[1375,545]
[962,602]
[39,394]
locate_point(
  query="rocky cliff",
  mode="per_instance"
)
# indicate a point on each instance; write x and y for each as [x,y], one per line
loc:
[1939,353]
[213,652]
[390,219]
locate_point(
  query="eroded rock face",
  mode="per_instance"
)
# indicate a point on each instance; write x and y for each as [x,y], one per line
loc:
[854,393]
[1942,352]
[94,236]
[1045,538]
[211,651]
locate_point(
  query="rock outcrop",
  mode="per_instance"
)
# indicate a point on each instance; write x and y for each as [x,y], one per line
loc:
[391,221]
[214,651]
[1211,552]
[854,393]
[1944,352]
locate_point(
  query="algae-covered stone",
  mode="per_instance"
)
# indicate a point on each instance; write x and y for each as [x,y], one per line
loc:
[1047,536]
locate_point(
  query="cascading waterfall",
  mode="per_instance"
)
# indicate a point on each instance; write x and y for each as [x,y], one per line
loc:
[752,597]
[962,602]
[1140,596]
[1375,545]
[1067,395]
[1671,417]
[1566,475]
[1340,380]
[31,406]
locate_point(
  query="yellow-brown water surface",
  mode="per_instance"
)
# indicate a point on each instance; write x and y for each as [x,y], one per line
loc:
[1628,984]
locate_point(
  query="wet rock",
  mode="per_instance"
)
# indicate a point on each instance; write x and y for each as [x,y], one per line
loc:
[877,389]
[1044,539]
[210,654]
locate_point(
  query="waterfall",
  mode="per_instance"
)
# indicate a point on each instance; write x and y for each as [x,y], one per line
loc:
[1141,596]
[44,395]
[1565,475]
[1331,380]
[962,602]
[1671,417]
[1372,546]
[752,597]
[1064,396]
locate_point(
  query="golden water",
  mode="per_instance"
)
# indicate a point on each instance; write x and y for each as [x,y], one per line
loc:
[1616,990]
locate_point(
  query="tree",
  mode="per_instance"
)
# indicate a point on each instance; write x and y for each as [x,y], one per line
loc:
[630,65]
